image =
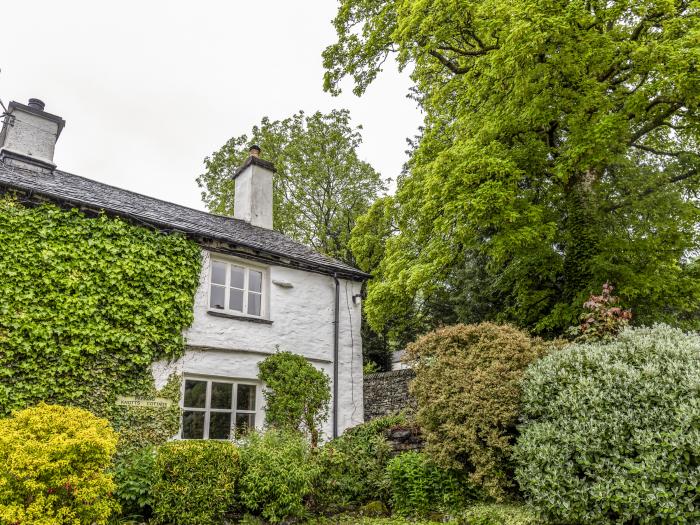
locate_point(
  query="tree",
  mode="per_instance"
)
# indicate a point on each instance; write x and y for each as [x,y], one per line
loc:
[321,186]
[297,395]
[560,151]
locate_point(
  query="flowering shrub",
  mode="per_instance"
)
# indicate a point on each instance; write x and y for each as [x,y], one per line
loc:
[603,318]
[611,431]
[53,467]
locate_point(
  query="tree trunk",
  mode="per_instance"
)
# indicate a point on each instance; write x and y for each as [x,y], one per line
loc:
[582,234]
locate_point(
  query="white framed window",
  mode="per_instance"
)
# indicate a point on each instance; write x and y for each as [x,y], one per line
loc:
[216,408]
[237,288]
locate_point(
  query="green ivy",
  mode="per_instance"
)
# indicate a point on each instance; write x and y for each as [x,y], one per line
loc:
[140,427]
[87,304]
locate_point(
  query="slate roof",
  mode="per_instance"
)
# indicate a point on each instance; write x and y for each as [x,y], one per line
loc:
[75,190]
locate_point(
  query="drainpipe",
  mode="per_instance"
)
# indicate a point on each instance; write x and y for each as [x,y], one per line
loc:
[336,335]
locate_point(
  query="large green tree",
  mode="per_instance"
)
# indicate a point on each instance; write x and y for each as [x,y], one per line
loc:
[560,150]
[321,185]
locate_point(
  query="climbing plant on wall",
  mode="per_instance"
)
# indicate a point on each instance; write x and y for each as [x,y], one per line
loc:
[87,304]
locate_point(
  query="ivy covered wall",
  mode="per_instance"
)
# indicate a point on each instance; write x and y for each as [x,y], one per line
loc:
[86,305]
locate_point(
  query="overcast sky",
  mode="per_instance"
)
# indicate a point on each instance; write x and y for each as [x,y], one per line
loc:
[149,88]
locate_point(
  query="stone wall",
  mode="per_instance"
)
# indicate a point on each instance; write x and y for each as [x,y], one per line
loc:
[387,393]
[404,439]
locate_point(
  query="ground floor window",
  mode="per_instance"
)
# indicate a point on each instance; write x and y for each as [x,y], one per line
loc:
[213,408]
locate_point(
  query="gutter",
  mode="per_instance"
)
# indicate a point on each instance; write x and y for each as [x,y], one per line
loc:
[336,336]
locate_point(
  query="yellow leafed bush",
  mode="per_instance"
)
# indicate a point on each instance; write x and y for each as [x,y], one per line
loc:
[467,387]
[53,467]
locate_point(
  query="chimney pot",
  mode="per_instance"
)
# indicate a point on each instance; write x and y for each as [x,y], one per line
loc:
[35,103]
[255,151]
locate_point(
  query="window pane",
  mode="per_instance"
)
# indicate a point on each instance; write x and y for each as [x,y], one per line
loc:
[218,272]
[244,422]
[237,277]
[217,298]
[221,395]
[254,303]
[219,425]
[235,301]
[255,281]
[245,397]
[192,425]
[195,394]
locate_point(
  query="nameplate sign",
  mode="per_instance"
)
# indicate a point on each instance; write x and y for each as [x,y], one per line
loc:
[150,402]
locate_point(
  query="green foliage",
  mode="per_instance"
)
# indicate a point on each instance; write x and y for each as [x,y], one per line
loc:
[498,514]
[142,427]
[321,186]
[53,468]
[419,487]
[195,482]
[480,514]
[370,367]
[86,305]
[467,386]
[611,431]
[602,319]
[351,519]
[352,467]
[297,394]
[277,475]
[135,475]
[559,151]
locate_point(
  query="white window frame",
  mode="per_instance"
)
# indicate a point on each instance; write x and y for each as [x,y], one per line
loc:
[229,262]
[207,403]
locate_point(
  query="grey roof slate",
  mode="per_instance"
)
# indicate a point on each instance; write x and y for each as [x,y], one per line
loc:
[73,189]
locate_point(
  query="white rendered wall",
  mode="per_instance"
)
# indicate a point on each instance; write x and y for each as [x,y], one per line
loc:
[253,196]
[31,135]
[302,322]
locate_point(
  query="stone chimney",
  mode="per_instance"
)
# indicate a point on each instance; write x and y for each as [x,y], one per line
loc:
[29,135]
[253,191]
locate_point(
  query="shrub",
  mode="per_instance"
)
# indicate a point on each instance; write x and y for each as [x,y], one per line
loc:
[296,394]
[352,467]
[135,475]
[195,482]
[467,386]
[53,467]
[277,475]
[603,318]
[418,486]
[611,431]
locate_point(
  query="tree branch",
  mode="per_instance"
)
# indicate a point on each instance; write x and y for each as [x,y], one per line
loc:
[655,123]
[678,178]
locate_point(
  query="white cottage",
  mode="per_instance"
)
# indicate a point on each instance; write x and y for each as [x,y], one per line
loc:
[259,291]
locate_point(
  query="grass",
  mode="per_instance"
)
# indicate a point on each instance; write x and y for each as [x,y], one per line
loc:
[479,514]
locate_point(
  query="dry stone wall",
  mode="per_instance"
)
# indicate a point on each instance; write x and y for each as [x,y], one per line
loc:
[387,393]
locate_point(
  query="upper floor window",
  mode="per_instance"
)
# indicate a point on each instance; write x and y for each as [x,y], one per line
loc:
[236,288]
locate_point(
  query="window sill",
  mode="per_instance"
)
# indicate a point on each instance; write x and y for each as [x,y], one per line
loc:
[259,320]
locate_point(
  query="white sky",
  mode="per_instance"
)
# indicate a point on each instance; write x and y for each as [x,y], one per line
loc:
[149,88]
